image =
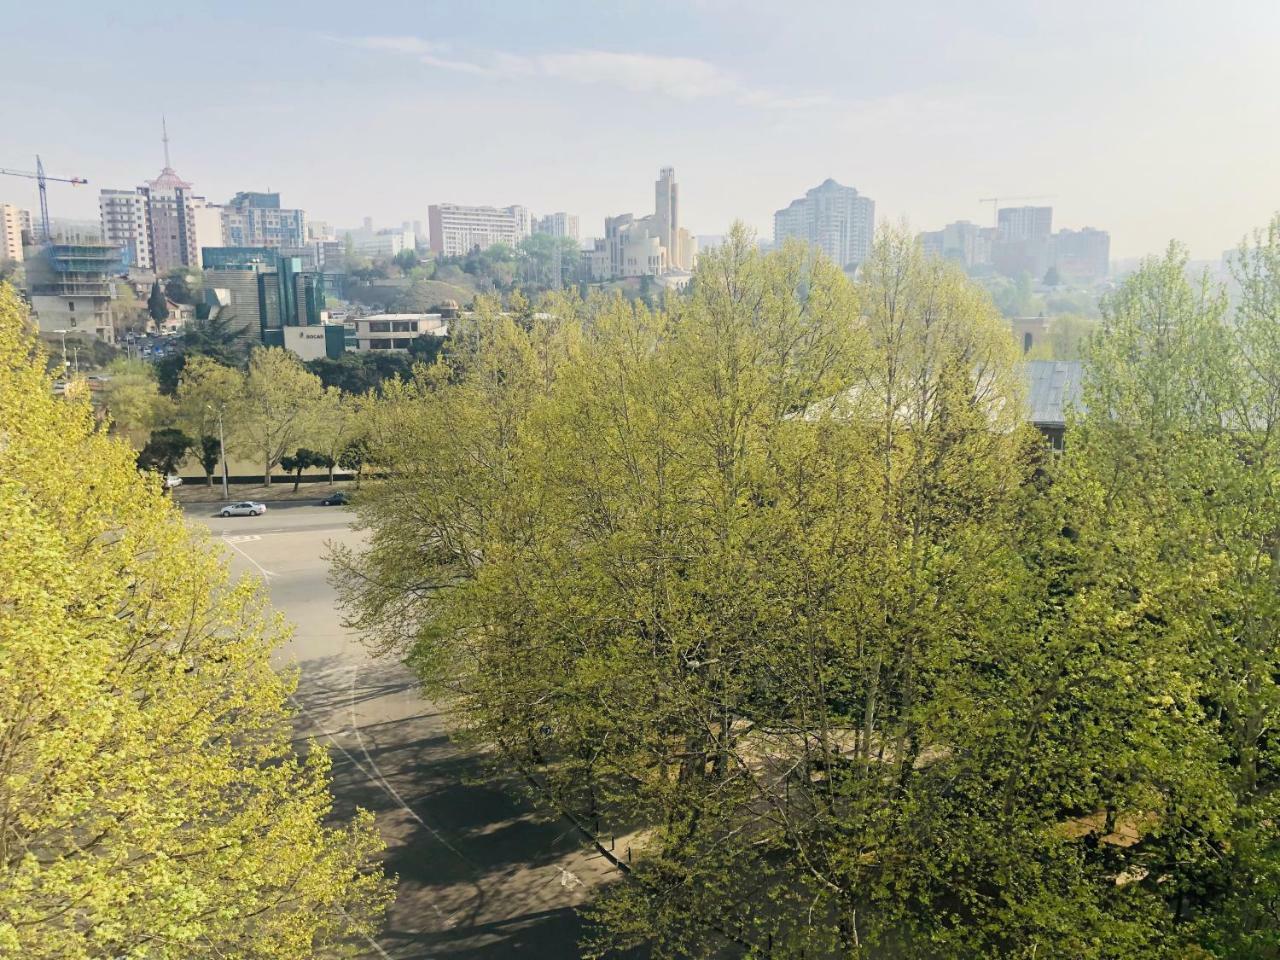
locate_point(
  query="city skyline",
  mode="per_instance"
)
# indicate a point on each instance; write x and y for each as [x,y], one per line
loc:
[1118,116]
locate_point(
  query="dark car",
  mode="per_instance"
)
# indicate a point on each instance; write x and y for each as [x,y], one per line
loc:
[336,499]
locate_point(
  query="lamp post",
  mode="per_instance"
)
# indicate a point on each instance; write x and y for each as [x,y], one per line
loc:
[222,452]
[63,333]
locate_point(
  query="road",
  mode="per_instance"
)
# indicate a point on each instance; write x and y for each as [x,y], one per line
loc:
[480,873]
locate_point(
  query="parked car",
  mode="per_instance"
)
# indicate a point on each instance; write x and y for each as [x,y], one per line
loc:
[245,508]
[338,498]
[171,481]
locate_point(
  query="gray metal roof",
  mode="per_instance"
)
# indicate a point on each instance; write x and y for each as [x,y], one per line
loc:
[1052,387]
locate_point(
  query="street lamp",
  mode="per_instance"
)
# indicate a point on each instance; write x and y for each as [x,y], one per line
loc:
[222,452]
[65,365]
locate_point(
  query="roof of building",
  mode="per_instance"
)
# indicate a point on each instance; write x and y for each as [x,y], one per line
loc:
[1053,386]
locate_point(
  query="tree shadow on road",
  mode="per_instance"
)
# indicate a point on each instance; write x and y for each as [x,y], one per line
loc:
[482,872]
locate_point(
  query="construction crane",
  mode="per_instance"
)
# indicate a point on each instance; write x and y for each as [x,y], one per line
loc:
[40,178]
[995,204]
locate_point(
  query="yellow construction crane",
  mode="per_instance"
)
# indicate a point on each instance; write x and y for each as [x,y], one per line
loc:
[40,178]
[995,204]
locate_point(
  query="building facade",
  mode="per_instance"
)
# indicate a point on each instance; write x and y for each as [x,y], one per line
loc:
[396,331]
[252,219]
[71,287]
[14,221]
[264,292]
[126,223]
[962,242]
[557,225]
[456,230]
[833,218]
[1082,255]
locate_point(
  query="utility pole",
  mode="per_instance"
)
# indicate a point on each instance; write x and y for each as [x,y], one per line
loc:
[64,352]
[222,453]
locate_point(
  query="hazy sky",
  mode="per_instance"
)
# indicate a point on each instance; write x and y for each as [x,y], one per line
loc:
[1153,119]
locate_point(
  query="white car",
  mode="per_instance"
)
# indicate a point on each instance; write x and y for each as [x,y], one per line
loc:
[245,508]
[171,481]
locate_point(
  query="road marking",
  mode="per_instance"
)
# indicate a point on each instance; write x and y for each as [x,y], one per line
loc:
[242,538]
[267,574]
[376,776]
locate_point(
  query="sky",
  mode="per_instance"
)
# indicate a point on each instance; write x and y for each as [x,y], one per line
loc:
[1155,121]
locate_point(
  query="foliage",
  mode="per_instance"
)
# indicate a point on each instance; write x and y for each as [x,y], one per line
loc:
[125,309]
[157,304]
[220,336]
[132,398]
[164,450]
[406,259]
[151,803]
[338,422]
[184,285]
[354,457]
[359,373]
[277,408]
[1067,339]
[302,459]
[775,580]
[209,453]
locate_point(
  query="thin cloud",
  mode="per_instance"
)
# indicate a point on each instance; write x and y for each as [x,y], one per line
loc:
[676,78]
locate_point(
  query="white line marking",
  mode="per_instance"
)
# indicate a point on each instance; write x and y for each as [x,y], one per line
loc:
[261,569]
[376,776]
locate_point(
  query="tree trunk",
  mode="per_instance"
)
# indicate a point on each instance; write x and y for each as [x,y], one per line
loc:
[297,479]
[266,478]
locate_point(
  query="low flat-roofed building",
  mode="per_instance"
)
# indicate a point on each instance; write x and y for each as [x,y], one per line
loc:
[395,331]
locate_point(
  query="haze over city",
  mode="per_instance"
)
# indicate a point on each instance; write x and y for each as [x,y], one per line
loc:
[1126,117]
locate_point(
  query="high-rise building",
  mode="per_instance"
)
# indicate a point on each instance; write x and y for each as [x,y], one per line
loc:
[557,225]
[1082,254]
[650,246]
[966,243]
[257,220]
[126,224]
[456,229]
[160,225]
[833,218]
[14,221]
[1023,241]
[1024,223]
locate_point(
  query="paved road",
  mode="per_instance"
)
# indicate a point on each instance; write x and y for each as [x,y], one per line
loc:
[480,874]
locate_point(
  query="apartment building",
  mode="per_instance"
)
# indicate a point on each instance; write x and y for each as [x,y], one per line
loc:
[14,221]
[456,229]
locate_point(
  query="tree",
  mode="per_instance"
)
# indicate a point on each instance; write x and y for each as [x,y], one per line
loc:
[1051,278]
[133,399]
[738,572]
[209,452]
[157,304]
[354,457]
[219,336]
[406,259]
[277,408]
[184,285]
[165,450]
[337,422]
[124,308]
[208,396]
[301,459]
[153,804]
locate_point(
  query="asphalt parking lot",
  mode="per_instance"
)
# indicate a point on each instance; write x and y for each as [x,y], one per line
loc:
[480,873]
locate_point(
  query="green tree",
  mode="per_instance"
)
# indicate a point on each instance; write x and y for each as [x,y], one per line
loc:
[132,398]
[301,459]
[277,408]
[209,453]
[354,457]
[164,450]
[124,309]
[157,304]
[152,802]
[184,285]
[208,397]
[336,424]
[406,260]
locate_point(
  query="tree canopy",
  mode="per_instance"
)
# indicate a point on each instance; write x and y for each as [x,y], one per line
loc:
[151,801]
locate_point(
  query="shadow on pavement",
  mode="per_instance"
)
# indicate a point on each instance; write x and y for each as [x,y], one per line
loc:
[481,872]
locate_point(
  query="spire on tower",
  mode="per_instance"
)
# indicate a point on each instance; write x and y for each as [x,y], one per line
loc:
[164,125]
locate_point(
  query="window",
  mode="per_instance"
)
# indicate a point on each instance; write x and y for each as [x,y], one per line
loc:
[401,343]
[379,326]
[405,326]
[379,344]
[71,305]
